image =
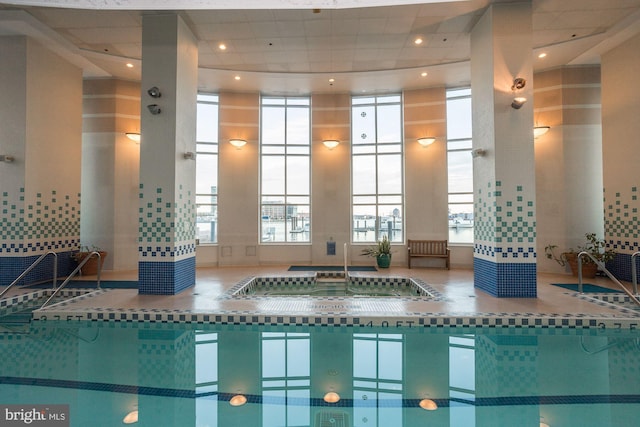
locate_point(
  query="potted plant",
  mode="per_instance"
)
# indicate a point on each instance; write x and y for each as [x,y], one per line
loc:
[381,252]
[597,248]
[91,266]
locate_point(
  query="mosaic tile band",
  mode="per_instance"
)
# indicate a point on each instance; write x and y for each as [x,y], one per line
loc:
[505,225]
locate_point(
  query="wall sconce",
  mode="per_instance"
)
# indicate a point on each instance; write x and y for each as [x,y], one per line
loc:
[154,109]
[426,141]
[7,159]
[540,130]
[238,143]
[331,143]
[189,155]
[478,152]
[332,397]
[518,102]
[238,400]
[154,92]
[133,136]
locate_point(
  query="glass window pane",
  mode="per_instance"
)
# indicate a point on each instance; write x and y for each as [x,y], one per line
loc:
[273,121]
[459,118]
[460,172]
[359,200]
[389,123]
[460,144]
[389,148]
[298,150]
[364,175]
[390,199]
[207,123]
[273,149]
[206,148]
[206,97]
[363,149]
[298,126]
[390,174]
[298,175]
[298,226]
[461,198]
[363,124]
[391,222]
[461,223]
[273,174]
[364,223]
[298,200]
[206,174]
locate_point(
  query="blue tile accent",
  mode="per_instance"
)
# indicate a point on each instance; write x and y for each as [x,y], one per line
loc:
[621,266]
[166,278]
[12,267]
[505,280]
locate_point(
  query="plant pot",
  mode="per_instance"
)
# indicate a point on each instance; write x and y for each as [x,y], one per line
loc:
[589,269]
[91,267]
[383,260]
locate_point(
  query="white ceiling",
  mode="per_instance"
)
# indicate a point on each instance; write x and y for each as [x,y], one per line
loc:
[288,48]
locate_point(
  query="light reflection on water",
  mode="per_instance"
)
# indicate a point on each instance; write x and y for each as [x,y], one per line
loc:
[185,375]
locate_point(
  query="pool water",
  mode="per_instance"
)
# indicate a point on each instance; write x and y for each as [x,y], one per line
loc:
[337,288]
[187,375]
[320,286]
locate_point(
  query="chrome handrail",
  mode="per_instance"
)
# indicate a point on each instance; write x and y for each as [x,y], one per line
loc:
[603,268]
[634,273]
[74,272]
[32,266]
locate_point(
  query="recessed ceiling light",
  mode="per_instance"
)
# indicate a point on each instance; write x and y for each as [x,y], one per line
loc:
[237,77]
[331,80]
[418,40]
[129,65]
[542,55]
[222,46]
[424,74]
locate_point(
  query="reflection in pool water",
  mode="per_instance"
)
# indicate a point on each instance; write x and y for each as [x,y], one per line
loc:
[187,375]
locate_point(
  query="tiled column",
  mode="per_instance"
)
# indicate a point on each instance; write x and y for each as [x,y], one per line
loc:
[620,129]
[504,176]
[40,130]
[167,178]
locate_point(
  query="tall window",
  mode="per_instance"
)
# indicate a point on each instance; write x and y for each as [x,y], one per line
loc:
[376,167]
[460,166]
[207,169]
[285,169]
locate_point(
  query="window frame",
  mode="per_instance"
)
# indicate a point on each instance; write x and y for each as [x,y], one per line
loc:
[379,150]
[213,149]
[288,150]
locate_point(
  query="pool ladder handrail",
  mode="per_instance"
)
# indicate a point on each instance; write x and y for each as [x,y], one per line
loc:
[634,273]
[32,266]
[74,272]
[607,272]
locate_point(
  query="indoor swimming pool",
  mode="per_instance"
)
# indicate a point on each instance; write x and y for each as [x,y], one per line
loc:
[207,375]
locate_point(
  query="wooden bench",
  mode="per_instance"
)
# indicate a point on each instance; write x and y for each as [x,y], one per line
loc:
[428,249]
